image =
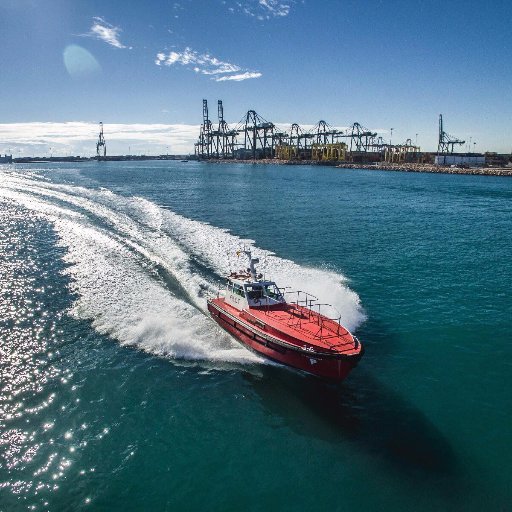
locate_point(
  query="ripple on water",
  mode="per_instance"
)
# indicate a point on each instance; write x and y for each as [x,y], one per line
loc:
[33,298]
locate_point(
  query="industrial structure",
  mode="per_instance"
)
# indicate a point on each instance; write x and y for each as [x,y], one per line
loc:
[446,141]
[256,138]
[446,155]
[101,144]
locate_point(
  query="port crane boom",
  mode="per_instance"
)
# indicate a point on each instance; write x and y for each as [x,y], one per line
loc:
[446,141]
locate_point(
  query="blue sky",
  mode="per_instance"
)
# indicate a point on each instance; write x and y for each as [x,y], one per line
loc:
[148,65]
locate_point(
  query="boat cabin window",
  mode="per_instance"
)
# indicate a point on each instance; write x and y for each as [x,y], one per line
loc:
[272,291]
[254,292]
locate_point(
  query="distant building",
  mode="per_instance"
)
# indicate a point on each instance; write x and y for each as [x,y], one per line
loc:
[469,159]
[6,159]
[498,160]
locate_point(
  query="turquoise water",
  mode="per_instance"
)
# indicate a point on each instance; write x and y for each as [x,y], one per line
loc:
[118,393]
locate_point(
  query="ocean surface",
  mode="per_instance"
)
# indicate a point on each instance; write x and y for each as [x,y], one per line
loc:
[118,392]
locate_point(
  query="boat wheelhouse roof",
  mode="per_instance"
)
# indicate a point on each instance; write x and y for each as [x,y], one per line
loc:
[243,277]
[246,279]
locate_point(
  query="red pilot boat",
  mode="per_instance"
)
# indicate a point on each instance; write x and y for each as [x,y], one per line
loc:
[296,334]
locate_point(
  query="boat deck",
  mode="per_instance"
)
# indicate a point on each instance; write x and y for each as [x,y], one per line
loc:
[299,325]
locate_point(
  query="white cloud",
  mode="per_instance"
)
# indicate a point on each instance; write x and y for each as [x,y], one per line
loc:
[262,9]
[205,64]
[79,138]
[238,78]
[103,30]
[274,7]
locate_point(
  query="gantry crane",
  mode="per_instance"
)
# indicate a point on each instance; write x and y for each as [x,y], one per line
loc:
[101,144]
[446,141]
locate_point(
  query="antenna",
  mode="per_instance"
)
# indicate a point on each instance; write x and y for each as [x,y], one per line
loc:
[252,261]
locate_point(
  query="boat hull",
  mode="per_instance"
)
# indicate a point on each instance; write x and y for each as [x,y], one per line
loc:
[330,367]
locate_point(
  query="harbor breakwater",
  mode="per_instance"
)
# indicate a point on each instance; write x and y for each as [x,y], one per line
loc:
[381,166]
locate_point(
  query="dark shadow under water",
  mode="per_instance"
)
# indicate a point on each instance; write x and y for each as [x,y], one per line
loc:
[377,420]
[363,410]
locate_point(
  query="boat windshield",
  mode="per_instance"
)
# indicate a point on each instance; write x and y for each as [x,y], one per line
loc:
[264,291]
[254,291]
[272,291]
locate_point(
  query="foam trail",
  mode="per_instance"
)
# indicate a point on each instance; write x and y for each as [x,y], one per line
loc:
[116,246]
[120,215]
[218,247]
[121,296]
[124,302]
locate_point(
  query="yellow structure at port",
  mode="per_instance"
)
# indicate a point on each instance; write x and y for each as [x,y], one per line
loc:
[320,152]
[402,153]
[335,151]
[287,153]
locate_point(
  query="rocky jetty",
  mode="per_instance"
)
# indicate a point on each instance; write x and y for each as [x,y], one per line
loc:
[382,166]
[406,167]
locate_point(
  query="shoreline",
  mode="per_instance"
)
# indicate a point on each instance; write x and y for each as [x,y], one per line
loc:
[381,166]
[376,166]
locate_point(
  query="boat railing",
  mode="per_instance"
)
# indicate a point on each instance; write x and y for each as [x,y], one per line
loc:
[303,298]
[301,308]
[307,309]
[328,327]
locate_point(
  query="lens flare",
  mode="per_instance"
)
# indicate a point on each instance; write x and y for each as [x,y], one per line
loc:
[79,62]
